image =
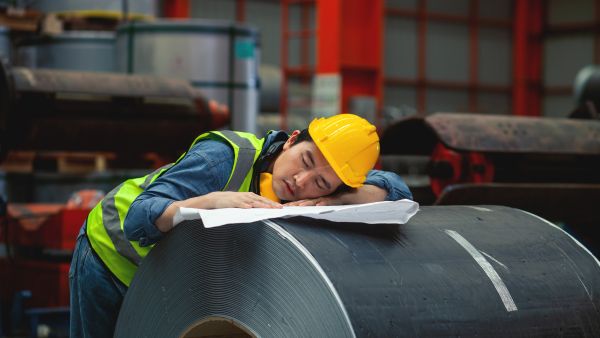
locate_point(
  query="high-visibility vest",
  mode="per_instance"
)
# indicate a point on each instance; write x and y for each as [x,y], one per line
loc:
[105,221]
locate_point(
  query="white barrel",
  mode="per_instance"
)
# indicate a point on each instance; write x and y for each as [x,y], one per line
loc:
[72,50]
[219,57]
[147,7]
[5,48]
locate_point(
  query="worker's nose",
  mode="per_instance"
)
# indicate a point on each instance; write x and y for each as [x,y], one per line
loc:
[302,178]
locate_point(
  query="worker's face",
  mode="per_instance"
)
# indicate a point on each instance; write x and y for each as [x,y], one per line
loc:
[301,172]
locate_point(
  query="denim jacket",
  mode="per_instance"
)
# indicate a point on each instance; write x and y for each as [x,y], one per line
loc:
[204,169]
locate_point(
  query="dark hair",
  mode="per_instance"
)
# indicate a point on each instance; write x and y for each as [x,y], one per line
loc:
[305,136]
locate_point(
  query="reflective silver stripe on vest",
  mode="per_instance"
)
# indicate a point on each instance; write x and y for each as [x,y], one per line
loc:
[245,160]
[149,177]
[112,224]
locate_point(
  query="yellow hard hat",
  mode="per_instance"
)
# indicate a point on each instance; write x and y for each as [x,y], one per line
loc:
[349,143]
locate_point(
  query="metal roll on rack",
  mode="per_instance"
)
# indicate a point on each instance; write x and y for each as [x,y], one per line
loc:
[219,57]
[530,163]
[451,270]
[47,110]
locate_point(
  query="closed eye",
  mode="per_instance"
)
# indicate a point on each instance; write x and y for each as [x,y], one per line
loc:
[323,184]
[310,159]
[304,162]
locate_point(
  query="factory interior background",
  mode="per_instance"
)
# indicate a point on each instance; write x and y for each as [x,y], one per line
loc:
[476,103]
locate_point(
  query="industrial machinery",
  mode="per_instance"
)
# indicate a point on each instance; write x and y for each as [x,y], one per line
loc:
[547,166]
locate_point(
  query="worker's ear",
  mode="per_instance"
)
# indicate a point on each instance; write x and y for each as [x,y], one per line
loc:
[291,140]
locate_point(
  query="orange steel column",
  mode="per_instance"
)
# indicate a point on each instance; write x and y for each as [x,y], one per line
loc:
[527,57]
[349,43]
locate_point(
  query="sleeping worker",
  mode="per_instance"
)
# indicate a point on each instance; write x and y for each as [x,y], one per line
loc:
[330,163]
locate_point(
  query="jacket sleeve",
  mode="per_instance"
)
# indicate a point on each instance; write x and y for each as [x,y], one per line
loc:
[391,182]
[204,169]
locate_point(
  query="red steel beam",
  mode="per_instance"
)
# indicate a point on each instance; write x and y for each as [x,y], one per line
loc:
[527,57]
[329,39]
[329,36]
[361,58]
[179,9]
[350,44]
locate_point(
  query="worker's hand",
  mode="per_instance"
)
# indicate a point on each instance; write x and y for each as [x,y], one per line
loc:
[245,200]
[364,194]
[214,200]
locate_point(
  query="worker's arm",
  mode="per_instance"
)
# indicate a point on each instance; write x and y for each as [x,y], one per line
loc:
[214,200]
[379,186]
[196,181]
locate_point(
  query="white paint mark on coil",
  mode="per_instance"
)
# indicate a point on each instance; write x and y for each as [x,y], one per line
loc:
[494,259]
[479,208]
[489,270]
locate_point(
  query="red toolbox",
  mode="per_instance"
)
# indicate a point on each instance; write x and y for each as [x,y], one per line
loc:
[48,226]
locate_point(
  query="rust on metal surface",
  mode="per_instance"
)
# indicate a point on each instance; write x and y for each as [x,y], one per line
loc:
[492,134]
[496,133]
[109,84]
[55,110]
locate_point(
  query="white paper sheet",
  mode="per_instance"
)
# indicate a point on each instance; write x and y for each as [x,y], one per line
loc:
[387,212]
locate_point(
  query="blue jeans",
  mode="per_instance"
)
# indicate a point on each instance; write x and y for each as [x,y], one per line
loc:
[96,295]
